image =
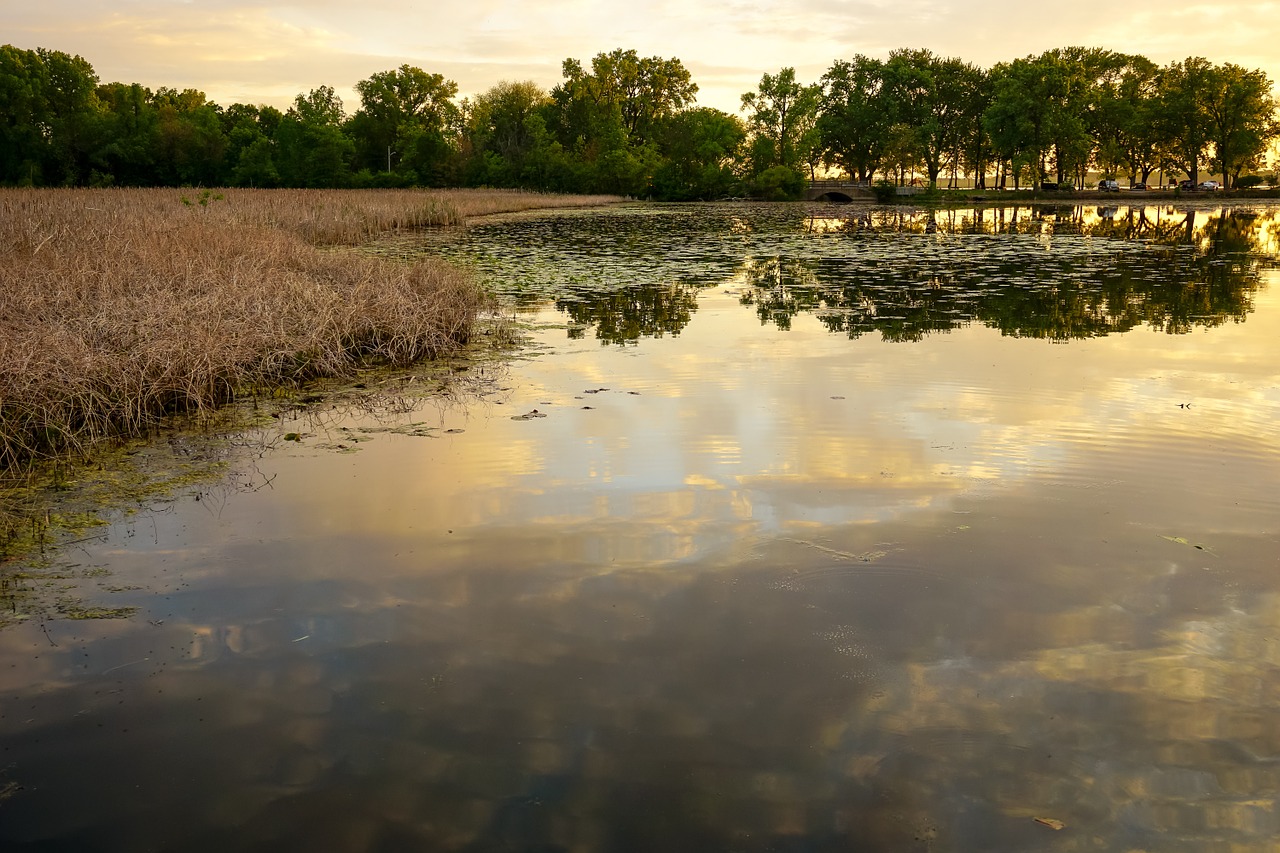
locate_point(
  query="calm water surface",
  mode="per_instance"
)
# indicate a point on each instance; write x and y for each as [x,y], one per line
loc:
[792,528]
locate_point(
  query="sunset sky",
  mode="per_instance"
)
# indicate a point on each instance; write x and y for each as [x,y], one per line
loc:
[235,50]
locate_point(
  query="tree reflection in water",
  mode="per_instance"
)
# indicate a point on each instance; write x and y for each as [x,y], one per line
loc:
[1056,272]
[626,316]
[1010,269]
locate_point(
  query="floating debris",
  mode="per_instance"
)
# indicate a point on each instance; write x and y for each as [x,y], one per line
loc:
[1181,541]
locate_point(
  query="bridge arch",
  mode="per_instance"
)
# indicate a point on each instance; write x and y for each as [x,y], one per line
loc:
[830,195]
[838,191]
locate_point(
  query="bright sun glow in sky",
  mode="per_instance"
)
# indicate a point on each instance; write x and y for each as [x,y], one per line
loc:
[235,50]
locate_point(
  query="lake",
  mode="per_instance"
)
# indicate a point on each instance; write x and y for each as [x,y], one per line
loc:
[791,527]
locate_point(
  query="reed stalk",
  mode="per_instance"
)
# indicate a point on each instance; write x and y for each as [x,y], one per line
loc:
[121,307]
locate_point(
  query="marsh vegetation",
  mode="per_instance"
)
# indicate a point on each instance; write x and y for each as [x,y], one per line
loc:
[121,308]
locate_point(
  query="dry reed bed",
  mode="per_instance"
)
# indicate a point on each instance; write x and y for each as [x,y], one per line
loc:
[119,307]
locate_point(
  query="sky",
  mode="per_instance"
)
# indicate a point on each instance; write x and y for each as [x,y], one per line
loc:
[267,53]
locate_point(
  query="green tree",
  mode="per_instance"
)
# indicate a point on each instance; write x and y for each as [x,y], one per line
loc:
[1127,135]
[72,109]
[608,118]
[189,139]
[48,116]
[405,122]
[1183,121]
[1241,115]
[250,155]
[902,151]
[1022,118]
[853,120]
[973,150]
[1085,82]
[311,149]
[639,91]
[914,101]
[700,149]
[501,135]
[128,135]
[547,166]
[782,117]
[256,165]
[22,110]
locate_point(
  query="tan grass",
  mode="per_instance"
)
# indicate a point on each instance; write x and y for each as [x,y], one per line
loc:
[119,307]
[348,217]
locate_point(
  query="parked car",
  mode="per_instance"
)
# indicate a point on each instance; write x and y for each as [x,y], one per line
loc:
[1209,185]
[1187,186]
[1138,186]
[1109,186]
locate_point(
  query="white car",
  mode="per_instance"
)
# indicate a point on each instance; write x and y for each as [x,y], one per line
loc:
[1209,185]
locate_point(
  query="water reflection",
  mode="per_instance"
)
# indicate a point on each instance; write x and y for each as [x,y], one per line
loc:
[1045,271]
[1055,284]
[738,590]
[629,314]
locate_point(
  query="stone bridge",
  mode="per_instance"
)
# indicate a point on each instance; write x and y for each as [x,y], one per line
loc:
[836,190]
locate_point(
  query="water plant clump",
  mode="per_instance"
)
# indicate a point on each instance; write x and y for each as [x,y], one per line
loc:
[119,308]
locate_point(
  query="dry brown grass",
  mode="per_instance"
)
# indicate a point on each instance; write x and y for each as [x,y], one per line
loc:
[349,217]
[119,307]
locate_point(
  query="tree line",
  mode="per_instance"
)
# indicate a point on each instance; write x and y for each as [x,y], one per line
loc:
[631,125]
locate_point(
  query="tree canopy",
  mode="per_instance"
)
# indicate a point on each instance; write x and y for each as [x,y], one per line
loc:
[630,124]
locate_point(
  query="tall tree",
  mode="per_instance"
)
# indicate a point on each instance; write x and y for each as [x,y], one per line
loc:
[189,138]
[48,111]
[1183,117]
[1085,81]
[640,91]
[501,132]
[699,152]
[250,156]
[1241,113]
[782,115]
[853,121]
[1027,111]
[914,103]
[1127,131]
[22,109]
[312,150]
[405,118]
[72,114]
[973,143]
[128,138]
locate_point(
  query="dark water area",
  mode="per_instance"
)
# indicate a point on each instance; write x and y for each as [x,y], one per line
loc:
[792,528]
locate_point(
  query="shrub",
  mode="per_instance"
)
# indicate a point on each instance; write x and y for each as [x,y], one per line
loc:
[885,191]
[779,183]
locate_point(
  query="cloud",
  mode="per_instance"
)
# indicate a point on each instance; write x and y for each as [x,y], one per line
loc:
[267,52]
